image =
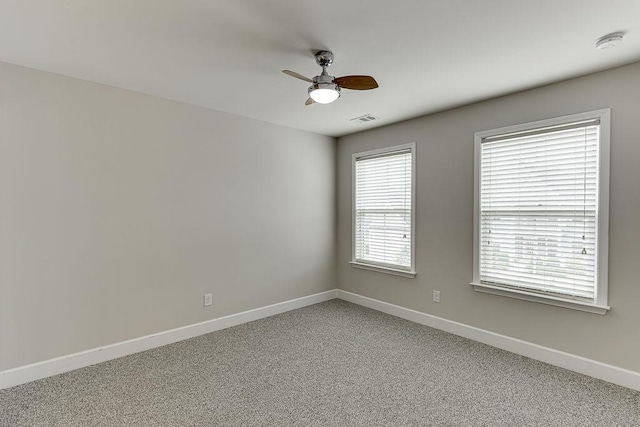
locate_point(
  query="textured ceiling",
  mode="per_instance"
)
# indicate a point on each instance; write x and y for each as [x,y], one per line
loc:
[427,55]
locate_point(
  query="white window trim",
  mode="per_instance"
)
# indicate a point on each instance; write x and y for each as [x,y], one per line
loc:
[410,273]
[600,306]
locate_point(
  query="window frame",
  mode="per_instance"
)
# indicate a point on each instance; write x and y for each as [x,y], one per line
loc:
[411,272]
[600,304]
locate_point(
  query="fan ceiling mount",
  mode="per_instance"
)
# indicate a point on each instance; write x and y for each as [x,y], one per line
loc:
[325,88]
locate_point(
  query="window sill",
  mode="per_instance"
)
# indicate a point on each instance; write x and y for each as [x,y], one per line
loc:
[528,296]
[386,270]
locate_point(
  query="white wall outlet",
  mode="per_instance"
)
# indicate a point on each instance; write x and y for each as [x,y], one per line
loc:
[436,296]
[208,299]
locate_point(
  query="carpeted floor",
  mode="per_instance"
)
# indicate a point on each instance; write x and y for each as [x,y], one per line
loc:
[331,364]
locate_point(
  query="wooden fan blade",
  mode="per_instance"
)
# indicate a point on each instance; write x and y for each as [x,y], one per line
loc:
[356,82]
[297,75]
[309,101]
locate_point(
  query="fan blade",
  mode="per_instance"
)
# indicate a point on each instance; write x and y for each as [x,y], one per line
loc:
[297,75]
[356,82]
[309,101]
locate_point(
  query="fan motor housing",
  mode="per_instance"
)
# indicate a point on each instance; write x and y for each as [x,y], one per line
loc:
[323,78]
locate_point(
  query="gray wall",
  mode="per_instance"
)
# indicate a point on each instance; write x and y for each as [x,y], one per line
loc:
[118,211]
[445,219]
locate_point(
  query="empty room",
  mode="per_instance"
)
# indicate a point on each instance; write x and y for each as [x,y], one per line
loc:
[338,213]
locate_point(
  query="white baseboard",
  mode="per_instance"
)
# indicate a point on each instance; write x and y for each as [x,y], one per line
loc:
[47,368]
[603,371]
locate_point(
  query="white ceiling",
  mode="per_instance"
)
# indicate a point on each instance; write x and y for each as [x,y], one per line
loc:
[427,55]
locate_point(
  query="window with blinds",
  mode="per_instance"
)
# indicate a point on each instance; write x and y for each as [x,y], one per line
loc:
[383,208]
[539,200]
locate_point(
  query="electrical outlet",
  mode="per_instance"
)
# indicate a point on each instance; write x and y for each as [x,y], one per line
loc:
[436,296]
[208,299]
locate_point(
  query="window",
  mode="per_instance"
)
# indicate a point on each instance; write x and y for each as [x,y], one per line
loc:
[541,211]
[383,210]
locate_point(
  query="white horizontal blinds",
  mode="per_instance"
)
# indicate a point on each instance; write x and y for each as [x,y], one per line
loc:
[538,211]
[383,209]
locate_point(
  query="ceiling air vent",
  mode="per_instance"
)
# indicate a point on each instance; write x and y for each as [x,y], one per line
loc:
[364,119]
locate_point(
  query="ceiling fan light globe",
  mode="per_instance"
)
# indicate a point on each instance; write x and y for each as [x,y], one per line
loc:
[324,96]
[324,93]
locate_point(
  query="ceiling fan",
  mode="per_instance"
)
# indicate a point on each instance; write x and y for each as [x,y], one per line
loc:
[324,88]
